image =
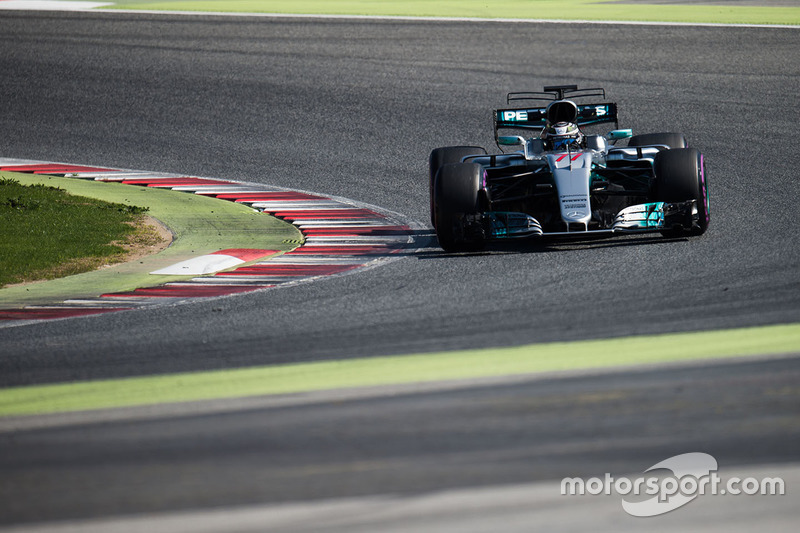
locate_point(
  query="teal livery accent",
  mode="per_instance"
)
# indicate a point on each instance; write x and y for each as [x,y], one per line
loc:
[616,135]
[505,225]
[641,217]
[654,215]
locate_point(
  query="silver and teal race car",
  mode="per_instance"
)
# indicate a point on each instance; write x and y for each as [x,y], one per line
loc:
[564,180]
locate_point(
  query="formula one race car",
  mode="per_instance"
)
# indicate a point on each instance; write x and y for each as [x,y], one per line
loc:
[564,181]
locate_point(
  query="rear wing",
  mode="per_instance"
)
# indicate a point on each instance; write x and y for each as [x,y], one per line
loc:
[536,118]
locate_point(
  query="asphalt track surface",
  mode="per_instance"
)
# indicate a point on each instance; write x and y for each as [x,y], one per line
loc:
[352,109]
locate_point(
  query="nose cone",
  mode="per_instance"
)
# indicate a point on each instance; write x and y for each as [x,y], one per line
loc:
[571,174]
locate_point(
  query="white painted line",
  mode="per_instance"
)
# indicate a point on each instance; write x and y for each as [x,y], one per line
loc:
[329,223]
[300,204]
[74,304]
[228,281]
[10,161]
[214,282]
[357,239]
[139,176]
[158,177]
[100,303]
[44,5]
[101,176]
[132,301]
[344,224]
[343,245]
[216,189]
[300,260]
[312,208]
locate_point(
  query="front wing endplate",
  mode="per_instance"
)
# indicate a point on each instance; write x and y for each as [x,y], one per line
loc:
[655,216]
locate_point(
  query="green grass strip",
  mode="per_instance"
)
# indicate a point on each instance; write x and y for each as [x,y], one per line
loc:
[201,225]
[520,9]
[328,375]
[46,233]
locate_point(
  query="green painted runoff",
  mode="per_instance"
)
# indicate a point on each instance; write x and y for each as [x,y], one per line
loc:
[418,368]
[513,9]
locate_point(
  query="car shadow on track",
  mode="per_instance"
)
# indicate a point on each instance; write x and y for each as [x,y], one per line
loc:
[537,246]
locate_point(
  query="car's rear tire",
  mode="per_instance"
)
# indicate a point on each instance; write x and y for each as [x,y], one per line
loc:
[672,140]
[444,156]
[456,196]
[681,176]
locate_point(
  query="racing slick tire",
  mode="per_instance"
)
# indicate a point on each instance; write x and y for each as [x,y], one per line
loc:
[456,195]
[673,140]
[681,176]
[444,156]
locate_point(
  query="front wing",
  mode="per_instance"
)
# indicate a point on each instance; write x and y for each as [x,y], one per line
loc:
[641,218]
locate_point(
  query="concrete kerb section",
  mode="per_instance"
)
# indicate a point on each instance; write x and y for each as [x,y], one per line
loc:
[224,244]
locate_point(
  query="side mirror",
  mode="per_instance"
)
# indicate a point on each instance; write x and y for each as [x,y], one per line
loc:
[616,135]
[514,140]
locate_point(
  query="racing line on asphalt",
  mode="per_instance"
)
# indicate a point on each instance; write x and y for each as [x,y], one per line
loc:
[339,236]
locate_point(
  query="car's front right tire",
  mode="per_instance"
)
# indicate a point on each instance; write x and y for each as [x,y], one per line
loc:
[444,156]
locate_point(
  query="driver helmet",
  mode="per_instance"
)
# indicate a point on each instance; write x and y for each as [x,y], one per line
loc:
[562,136]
